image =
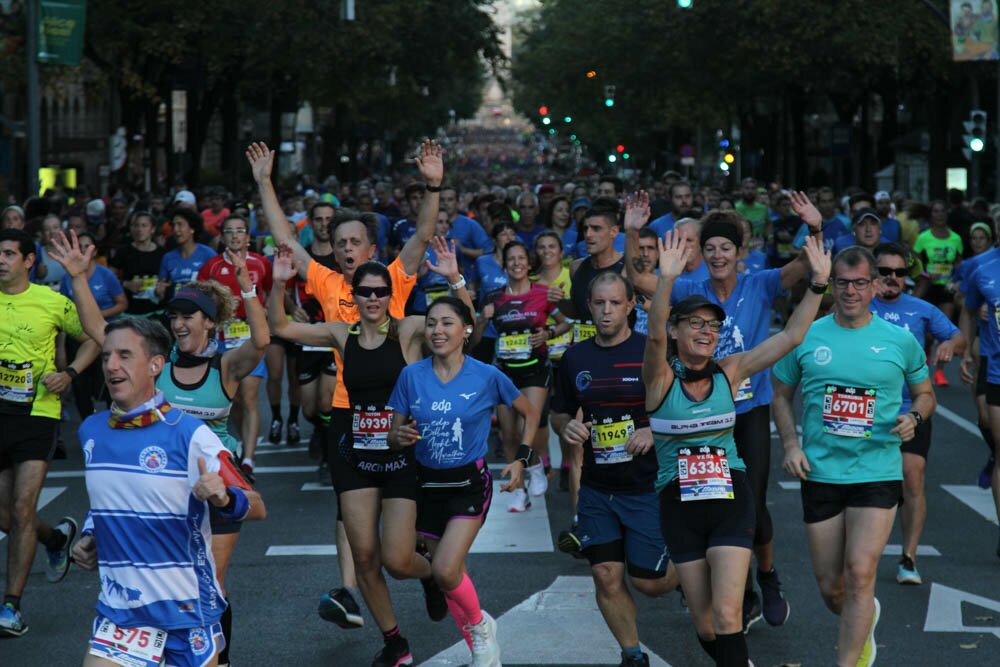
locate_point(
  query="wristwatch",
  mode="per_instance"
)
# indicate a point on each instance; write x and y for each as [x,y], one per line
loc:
[459,285]
[917,417]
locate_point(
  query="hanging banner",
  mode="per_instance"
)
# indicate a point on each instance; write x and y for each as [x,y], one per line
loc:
[974,30]
[60,31]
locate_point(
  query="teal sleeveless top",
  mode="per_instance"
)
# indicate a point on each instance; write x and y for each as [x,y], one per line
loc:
[682,422]
[205,399]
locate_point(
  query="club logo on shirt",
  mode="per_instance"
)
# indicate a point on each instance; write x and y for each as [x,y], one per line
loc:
[153,459]
[198,639]
[583,380]
[822,355]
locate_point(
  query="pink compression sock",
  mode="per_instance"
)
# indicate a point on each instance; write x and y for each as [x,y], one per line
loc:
[460,620]
[465,598]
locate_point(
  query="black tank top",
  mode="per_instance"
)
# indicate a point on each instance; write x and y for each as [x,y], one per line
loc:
[581,282]
[369,377]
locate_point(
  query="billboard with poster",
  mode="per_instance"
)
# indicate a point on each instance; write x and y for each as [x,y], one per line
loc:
[974,30]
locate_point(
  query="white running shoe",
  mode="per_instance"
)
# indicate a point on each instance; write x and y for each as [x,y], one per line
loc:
[485,649]
[538,481]
[519,502]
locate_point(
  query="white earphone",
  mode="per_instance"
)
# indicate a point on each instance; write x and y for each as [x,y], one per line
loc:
[468,330]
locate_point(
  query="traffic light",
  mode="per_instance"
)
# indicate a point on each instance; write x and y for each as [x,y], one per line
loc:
[612,158]
[543,110]
[620,148]
[727,156]
[975,136]
[567,119]
[591,74]
[685,4]
[546,120]
[609,96]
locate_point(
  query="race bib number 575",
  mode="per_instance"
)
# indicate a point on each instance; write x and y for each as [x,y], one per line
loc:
[130,647]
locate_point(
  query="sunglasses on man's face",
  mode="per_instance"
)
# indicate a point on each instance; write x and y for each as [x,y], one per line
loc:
[367,292]
[886,271]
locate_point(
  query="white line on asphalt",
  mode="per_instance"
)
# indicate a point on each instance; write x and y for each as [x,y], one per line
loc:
[567,610]
[316,486]
[958,420]
[944,611]
[790,486]
[504,532]
[922,550]
[48,494]
[980,500]
[282,450]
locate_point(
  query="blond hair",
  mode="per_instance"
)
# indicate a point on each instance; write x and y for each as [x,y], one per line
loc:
[221,296]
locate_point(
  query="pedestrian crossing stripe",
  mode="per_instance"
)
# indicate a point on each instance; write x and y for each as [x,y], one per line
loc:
[980,500]
[503,531]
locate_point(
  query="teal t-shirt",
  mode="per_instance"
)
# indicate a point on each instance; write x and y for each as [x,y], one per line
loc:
[852,383]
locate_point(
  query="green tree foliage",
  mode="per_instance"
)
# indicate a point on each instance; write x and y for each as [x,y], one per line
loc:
[721,59]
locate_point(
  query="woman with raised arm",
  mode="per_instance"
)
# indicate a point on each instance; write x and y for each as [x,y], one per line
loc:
[371,480]
[706,504]
[198,379]
[442,409]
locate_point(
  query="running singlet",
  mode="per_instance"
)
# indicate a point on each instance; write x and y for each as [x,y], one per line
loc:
[517,316]
[852,386]
[982,287]
[919,318]
[748,317]
[606,383]
[153,536]
[685,430]
[939,255]
[369,376]
[454,417]
[29,322]
[336,296]
[205,399]
[179,269]
[143,266]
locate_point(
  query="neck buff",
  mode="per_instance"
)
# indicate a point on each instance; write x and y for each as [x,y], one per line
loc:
[183,359]
[148,413]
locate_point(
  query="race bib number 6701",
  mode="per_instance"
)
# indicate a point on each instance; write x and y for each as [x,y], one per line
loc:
[130,647]
[848,411]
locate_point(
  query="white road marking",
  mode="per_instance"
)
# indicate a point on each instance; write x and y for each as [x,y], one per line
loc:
[980,500]
[790,486]
[568,612]
[276,450]
[48,494]
[503,532]
[958,420]
[944,611]
[922,550]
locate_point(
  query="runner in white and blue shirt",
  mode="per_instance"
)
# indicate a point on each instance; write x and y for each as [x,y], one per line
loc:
[920,318]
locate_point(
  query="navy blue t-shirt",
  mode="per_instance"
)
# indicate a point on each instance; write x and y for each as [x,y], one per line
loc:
[606,382]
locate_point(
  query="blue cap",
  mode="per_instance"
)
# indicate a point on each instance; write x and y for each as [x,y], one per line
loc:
[580,202]
[187,300]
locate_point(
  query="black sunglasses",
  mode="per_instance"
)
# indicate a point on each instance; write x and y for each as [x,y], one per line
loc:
[886,271]
[368,292]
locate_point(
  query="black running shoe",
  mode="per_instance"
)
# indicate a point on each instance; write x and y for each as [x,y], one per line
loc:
[292,435]
[751,609]
[569,543]
[395,653]
[437,607]
[776,607]
[274,435]
[339,606]
[642,660]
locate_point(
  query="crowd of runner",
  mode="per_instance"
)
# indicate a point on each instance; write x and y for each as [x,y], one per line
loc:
[422,326]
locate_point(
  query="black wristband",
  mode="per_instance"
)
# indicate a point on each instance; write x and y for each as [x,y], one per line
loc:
[816,288]
[917,417]
[71,372]
[432,188]
[523,454]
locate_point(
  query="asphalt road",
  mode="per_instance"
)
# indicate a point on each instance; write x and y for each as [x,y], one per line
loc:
[542,598]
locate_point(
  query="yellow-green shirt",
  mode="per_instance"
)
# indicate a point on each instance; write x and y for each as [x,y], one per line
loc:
[29,323]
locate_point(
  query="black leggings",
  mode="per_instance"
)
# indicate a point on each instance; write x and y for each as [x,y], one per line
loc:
[752,433]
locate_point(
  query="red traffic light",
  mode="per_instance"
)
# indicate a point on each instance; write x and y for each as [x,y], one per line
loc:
[620,148]
[543,110]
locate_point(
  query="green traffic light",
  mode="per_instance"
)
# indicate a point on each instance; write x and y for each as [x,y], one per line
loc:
[609,102]
[625,156]
[573,137]
[685,4]
[976,145]
[567,119]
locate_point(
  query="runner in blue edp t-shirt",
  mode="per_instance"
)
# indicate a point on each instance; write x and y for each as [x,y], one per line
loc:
[442,408]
